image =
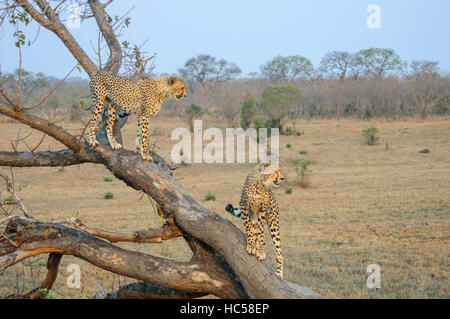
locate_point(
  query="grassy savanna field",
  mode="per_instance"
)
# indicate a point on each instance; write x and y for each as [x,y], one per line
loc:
[366,205]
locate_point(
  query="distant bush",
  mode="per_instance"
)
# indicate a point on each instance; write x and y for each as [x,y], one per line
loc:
[276,103]
[61,170]
[108,195]
[259,122]
[192,111]
[248,112]
[303,152]
[368,113]
[425,151]
[303,172]
[9,200]
[370,135]
[288,190]
[299,133]
[21,186]
[288,145]
[209,197]
[107,179]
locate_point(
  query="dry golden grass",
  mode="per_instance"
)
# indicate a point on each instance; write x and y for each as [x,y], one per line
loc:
[367,205]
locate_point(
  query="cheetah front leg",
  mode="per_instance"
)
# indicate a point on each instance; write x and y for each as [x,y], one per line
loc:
[97,110]
[144,120]
[109,127]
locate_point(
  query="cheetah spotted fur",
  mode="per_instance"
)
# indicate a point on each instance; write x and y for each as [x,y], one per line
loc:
[143,97]
[258,205]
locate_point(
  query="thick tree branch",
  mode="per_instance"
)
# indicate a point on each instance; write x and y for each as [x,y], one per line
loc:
[145,290]
[38,238]
[115,57]
[168,231]
[36,159]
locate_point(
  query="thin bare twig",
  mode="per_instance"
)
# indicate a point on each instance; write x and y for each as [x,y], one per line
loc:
[51,92]
[10,187]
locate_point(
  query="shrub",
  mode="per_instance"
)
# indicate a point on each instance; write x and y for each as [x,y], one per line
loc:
[192,111]
[259,122]
[21,186]
[107,179]
[9,200]
[48,294]
[368,113]
[370,135]
[298,133]
[61,170]
[288,145]
[276,103]
[425,151]
[209,197]
[248,112]
[108,195]
[303,152]
[288,190]
[303,172]
[288,131]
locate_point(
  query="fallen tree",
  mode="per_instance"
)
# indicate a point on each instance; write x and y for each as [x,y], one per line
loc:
[220,264]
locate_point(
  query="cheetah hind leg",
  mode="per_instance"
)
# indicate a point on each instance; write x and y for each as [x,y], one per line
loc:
[275,234]
[98,106]
[260,244]
[139,137]
[109,127]
[252,239]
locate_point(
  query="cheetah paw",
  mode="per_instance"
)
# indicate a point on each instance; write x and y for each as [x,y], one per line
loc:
[93,143]
[261,255]
[279,274]
[251,250]
[116,146]
[147,157]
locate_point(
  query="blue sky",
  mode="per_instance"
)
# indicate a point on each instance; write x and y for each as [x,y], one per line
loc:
[250,32]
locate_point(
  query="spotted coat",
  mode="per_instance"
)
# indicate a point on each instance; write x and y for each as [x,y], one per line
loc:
[258,206]
[143,97]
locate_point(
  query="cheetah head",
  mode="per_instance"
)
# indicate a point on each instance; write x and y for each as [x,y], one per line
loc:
[177,87]
[271,174]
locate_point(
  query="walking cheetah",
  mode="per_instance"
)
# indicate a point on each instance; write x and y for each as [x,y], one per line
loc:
[143,97]
[258,205]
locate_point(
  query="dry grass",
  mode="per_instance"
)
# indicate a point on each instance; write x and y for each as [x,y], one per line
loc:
[366,205]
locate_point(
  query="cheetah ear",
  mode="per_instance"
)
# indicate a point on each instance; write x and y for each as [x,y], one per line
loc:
[171,80]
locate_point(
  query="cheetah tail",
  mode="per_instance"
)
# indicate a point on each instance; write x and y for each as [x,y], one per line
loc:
[234,211]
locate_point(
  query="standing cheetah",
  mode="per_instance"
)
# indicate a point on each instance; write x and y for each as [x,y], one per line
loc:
[143,97]
[258,205]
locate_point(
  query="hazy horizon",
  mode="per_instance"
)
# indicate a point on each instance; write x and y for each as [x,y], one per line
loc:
[249,33]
